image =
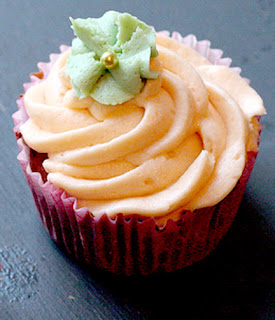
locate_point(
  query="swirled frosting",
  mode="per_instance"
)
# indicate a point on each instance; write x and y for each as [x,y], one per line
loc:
[181,143]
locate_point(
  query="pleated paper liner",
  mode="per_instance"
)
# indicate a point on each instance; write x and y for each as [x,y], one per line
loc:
[127,245]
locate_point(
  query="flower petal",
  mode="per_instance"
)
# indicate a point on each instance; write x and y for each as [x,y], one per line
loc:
[79,47]
[134,35]
[107,91]
[143,58]
[127,75]
[91,33]
[83,79]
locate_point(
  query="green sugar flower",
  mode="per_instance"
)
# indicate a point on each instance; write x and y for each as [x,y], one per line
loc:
[110,57]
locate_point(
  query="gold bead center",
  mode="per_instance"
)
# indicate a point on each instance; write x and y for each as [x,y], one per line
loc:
[109,60]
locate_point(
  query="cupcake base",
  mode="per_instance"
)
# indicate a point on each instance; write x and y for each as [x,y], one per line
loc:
[130,245]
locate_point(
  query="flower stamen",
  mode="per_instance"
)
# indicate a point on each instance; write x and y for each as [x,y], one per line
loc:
[109,60]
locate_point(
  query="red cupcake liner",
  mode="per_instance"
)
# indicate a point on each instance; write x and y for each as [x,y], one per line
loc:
[128,245]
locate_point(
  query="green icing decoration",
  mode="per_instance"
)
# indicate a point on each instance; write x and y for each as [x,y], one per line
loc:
[129,39]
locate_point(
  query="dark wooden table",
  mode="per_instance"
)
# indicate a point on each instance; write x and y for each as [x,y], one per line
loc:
[37,280]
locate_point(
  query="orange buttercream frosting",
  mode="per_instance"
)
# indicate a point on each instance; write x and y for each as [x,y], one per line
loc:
[180,143]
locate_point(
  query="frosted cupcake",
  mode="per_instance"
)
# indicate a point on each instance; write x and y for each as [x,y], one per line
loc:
[137,146]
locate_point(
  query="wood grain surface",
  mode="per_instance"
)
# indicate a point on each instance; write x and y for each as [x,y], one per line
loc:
[37,281]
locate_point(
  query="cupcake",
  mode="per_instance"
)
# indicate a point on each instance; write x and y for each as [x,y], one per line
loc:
[137,145]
